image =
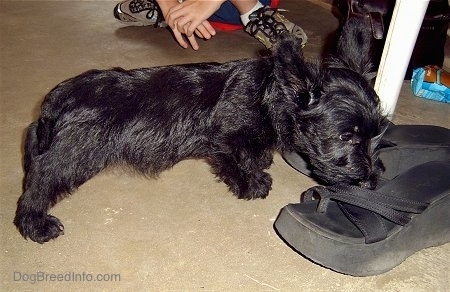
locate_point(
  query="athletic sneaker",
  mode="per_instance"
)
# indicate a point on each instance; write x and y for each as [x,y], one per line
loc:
[139,12]
[266,23]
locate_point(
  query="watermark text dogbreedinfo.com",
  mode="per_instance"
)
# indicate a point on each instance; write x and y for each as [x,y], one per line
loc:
[64,277]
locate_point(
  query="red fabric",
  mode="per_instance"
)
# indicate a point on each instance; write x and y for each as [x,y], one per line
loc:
[226,26]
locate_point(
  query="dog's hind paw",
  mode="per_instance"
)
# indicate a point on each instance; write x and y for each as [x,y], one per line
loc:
[39,228]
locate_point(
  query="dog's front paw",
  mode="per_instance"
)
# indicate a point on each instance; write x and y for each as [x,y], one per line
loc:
[39,228]
[258,187]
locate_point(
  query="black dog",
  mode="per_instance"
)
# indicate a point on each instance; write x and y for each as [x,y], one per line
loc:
[234,115]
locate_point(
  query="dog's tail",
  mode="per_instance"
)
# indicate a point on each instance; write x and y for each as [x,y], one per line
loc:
[37,141]
[31,146]
[40,133]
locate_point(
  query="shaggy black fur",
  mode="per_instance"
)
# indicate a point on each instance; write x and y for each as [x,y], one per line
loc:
[235,115]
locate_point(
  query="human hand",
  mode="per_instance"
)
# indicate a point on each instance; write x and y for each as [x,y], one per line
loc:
[190,16]
[201,31]
[174,11]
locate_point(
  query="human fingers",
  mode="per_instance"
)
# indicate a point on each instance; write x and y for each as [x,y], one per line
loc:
[172,15]
[179,38]
[202,32]
[193,42]
[190,14]
[209,28]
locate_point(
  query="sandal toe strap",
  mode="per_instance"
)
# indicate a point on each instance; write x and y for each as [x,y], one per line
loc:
[366,208]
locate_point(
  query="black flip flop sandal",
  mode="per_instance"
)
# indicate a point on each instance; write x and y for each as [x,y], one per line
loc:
[401,147]
[362,232]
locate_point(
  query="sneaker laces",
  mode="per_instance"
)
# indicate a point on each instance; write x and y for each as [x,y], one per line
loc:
[266,24]
[154,12]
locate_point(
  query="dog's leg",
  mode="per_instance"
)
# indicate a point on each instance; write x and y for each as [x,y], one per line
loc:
[48,176]
[48,179]
[244,173]
[259,182]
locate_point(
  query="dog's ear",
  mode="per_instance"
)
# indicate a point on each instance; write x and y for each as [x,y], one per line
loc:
[294,76]
[355,47]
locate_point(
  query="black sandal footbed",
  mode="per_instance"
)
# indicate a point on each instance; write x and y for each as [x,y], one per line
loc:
[406,146]
[332,240]
[402,147]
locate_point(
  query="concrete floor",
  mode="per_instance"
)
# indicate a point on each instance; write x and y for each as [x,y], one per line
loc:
[184,231]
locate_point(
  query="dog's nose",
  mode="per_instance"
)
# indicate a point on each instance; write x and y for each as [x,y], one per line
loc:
[370,180]
[368,184]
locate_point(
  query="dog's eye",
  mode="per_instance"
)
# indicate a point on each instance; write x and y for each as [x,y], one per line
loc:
[346,137]
[350,137]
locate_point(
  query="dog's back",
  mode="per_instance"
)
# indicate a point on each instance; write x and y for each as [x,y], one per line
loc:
[127,113]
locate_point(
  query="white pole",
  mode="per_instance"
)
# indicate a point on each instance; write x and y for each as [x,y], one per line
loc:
[401,38]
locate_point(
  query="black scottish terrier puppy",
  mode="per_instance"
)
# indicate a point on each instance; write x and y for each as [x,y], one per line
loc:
[234,115]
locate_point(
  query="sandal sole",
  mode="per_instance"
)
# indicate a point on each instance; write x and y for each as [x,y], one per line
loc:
[349,255]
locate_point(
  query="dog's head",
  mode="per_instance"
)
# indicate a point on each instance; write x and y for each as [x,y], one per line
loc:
[333,117]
